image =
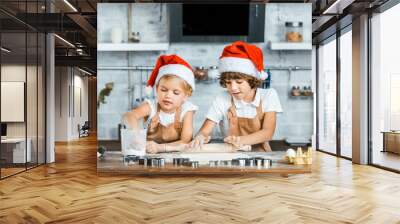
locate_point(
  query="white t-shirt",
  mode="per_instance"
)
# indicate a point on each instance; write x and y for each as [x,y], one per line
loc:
[168,118]
[222,103]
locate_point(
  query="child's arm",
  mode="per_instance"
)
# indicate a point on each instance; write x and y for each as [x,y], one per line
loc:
[186,136]
[206,128]
[179,145]
[214,115]
[263,135]
[204,134]
[132,117]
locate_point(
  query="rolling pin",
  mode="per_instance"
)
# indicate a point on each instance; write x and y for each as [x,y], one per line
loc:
[212,147]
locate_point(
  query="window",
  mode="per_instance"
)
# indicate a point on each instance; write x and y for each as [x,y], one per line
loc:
[22,66]
[385,89]
[327,97]
[346,94]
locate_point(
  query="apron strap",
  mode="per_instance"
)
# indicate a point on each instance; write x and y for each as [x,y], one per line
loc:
[233,120]
[155,119]
[260,113]
[232,110]
[177,121]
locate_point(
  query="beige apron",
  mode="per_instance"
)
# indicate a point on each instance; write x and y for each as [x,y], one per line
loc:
[164,134]
[239,126]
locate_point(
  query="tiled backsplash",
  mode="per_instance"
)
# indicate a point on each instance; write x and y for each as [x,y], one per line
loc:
[154,28]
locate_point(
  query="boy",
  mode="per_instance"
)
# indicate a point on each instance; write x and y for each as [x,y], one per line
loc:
[248,112]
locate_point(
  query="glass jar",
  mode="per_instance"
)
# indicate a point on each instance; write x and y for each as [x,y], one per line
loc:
[135,37]
[294,31]
[213,73]
[200,73]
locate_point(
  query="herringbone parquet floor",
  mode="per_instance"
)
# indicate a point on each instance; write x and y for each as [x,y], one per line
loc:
[70,191]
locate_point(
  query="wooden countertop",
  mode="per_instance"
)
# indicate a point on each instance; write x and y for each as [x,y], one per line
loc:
[113,163]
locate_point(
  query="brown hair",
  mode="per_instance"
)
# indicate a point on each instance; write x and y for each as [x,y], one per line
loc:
[186,87]
[225,76]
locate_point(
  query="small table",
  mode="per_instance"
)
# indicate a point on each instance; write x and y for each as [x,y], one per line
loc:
[391,141]
[13,150]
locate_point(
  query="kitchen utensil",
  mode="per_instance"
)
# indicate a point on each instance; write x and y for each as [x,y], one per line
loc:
[135,37]
[213,163]
[116,35]
[294,31]
[155,162]
[235,162]
[295,91]
[201,73]
[242,162]
[194,164]
[133,142]
[213,72]
[130,159]
[250,162]
[179,161]
[258,162]
[143,161]
[267,163]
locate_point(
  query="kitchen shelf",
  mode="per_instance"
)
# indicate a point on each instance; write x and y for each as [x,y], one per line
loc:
[133,47]
[301,96]
[290,46]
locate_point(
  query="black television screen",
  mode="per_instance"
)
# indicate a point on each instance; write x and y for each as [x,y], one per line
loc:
[3,129]
[215,19]
[216,22]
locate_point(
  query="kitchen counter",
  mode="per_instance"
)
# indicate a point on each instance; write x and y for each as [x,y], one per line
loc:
[113,163]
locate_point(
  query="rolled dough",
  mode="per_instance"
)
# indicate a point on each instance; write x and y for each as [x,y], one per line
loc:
[212,147]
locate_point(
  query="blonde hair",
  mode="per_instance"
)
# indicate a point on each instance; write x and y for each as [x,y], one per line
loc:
[186,87]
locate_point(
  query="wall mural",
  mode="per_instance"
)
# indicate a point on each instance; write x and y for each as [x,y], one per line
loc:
[181,95]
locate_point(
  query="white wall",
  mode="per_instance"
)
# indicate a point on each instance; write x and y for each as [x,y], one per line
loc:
[61,103]
[16,73]
[70,83]
[33,126]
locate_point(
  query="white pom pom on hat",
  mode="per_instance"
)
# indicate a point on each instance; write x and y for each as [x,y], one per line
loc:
[149,91]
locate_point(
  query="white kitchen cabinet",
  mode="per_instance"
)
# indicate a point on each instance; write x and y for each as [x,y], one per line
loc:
[285,46]
[132,47]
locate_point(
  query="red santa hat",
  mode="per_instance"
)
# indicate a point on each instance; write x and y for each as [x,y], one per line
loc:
[170,65]
[244,58]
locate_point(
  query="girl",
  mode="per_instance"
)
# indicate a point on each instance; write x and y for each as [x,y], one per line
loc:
[248,112]
[170,116]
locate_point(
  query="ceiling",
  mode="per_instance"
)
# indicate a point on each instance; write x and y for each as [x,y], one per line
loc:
[74,21]
[329,16]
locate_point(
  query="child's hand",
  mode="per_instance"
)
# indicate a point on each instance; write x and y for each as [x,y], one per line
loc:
[152,147]
[236,144]
[234,140]
[198,141]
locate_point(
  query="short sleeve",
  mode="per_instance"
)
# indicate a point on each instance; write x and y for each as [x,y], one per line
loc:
[153,107]
[271,101]
[217,110]
[188,106]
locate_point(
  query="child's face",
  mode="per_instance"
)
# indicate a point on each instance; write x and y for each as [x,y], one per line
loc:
[238,88]
[171,93]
